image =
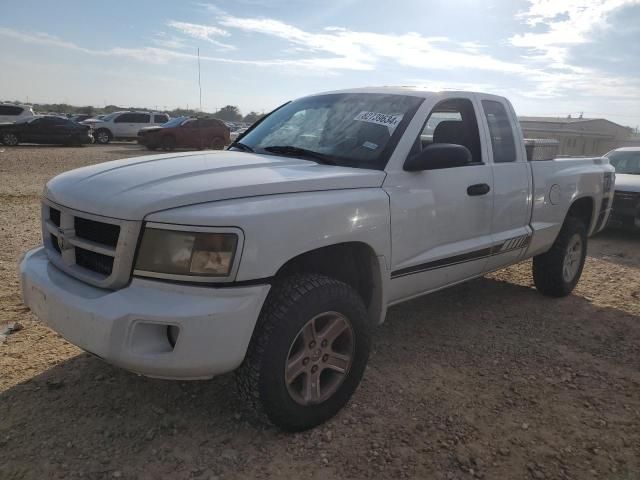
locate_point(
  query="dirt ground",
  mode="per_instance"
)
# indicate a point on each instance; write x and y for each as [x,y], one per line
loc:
[488,380]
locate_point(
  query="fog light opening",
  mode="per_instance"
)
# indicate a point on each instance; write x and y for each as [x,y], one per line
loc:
[172,335]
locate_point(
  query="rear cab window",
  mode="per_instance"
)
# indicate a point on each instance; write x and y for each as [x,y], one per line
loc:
[502,139]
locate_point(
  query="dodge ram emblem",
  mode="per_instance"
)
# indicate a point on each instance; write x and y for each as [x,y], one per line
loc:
[61,240]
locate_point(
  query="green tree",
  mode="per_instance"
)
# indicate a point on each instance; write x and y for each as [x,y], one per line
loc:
[252,117]
[88,110]
[230,113]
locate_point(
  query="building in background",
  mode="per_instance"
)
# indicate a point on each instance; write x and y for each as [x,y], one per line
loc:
[580,136]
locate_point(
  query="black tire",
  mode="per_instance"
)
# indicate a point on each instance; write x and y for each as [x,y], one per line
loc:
[168,143]
[291,303]
[217,143]
[10,139]
[103,136]
[549,273]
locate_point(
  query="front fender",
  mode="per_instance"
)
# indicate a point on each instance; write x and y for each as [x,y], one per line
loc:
[280,227]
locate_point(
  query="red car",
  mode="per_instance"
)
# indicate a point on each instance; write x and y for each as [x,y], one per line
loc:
[186,132]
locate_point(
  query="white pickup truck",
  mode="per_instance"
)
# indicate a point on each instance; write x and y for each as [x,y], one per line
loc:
[278,256]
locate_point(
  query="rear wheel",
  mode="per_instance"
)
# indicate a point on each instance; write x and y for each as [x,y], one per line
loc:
[168,143]
[10,139]
[103,136]
[557,272]
[308,352]
[217,143]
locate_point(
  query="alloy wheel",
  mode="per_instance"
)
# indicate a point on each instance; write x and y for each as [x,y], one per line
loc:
[319,358]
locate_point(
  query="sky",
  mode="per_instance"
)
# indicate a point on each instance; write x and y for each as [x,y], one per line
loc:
[549,57]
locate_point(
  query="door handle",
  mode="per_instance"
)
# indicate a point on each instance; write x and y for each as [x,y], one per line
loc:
[478,189]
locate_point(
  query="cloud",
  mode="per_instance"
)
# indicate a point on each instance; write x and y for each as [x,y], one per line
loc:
[162,55]
[202,32]
[564,24]
[355,50]
[173,42]
[557,28]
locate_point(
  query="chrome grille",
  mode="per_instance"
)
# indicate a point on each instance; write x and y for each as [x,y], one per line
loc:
[95,249]
[626,200]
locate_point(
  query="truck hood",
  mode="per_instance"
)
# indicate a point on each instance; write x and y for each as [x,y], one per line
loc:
[133,188]
[627,183]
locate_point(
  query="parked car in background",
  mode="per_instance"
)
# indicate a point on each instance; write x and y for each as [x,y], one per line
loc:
[626,200]
[45,129]
[81,117]
[186,132]
[10,112]
[237,133]
[124,125]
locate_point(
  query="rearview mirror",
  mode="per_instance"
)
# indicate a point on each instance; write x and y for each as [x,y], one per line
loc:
[437,156]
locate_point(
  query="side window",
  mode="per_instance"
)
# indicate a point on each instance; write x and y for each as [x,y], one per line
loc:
[502,141]
[59,121]
[211,123]
[452,121]
[10,110]
[141,118]
[125,118]
[160,118]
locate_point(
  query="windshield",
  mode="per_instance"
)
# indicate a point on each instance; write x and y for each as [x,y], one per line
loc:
[174,122]
[107,118]
[349,129]
[625,162]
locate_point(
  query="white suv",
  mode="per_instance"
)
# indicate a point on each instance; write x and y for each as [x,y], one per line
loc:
[124,125]
[10,112]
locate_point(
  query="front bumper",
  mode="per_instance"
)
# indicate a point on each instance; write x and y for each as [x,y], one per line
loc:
[626,210]
[129,327]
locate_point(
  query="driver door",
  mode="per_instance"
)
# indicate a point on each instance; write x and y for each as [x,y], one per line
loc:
[441,219]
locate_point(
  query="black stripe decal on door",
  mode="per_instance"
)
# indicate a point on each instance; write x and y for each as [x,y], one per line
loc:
[498,249]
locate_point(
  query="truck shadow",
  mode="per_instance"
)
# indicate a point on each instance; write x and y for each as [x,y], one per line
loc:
[87,416]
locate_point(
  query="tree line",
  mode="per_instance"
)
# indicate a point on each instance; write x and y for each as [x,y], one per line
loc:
[230,113]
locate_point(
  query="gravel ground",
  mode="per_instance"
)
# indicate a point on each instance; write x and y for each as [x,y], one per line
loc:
[488,379]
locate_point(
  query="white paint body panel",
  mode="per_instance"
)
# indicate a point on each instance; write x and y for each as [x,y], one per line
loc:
[215,324]
[286,207]
[627,183]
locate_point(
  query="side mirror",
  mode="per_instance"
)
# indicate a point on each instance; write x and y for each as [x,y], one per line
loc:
[437,156]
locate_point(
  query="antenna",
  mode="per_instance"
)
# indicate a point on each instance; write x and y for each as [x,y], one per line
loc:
[199,84]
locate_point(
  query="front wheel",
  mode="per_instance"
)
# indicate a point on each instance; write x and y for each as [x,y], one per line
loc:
[102,136]
[308,352]
[557,272]
[10,139]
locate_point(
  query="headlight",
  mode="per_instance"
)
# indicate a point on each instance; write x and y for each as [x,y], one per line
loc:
[195,255]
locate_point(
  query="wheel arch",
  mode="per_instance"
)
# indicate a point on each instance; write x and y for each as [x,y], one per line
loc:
[583,208]
[354,263]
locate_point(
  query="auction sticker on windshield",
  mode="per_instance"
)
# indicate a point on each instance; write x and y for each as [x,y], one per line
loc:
[390,121]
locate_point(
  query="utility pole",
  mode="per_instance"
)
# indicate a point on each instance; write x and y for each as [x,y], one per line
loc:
[199,83]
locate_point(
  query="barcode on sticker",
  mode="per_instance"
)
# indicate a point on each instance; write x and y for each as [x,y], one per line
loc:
[390,121]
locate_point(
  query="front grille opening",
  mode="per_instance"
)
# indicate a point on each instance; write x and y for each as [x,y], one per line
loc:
[103,233]
[54,242]
[54,216]
[93,261]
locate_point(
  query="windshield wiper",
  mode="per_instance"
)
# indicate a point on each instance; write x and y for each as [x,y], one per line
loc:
[242,146]
[301,152]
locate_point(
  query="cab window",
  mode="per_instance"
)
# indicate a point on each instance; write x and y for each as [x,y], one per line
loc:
[452,121]
[502,141]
